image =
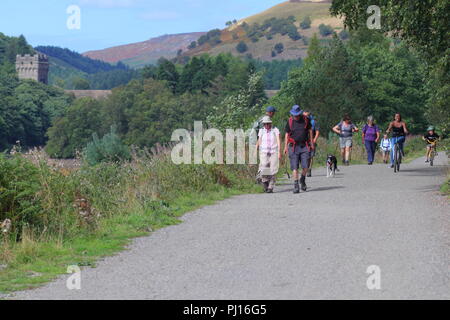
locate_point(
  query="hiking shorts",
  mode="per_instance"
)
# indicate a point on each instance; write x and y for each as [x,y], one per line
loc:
[346,142]
[299,156]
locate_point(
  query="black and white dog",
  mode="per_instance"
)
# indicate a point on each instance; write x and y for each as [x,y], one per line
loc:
[331,166]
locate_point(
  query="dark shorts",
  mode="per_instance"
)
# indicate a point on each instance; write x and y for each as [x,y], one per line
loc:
[299,157]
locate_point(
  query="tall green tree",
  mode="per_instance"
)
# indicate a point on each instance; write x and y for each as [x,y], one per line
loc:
[424,26]
[167,71]
[73,131]
[329,84]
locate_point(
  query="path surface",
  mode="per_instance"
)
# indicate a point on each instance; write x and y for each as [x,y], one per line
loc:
[316,245]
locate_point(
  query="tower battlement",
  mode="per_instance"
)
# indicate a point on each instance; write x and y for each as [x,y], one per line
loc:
[33,67]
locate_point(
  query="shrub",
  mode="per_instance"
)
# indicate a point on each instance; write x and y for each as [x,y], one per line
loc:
[193,45]
[19,184]
[242,47]
[279,48]
[306,23]
[325,30]
[293,33]
[108,149]
[344,34]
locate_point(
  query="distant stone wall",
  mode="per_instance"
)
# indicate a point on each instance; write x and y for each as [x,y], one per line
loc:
[95,94]
[33,67]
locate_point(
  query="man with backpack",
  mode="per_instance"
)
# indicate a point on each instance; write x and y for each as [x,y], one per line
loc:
[298,144]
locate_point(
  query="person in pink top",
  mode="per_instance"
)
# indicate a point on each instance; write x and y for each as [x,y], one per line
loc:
[269,146]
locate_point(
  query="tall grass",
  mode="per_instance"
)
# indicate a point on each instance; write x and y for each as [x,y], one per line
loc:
[54,210]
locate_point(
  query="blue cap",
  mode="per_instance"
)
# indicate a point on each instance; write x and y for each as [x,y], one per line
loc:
[296,111]
[271,109]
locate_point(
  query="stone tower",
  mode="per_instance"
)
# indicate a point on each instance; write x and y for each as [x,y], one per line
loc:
[33,67]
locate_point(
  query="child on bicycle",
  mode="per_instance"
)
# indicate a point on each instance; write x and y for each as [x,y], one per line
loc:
[385,146]
[431,138]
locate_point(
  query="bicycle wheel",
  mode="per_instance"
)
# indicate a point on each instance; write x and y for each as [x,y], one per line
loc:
[432,158]
[395,157]
[399,158]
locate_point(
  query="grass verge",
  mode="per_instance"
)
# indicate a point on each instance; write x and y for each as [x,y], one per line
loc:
[62,218]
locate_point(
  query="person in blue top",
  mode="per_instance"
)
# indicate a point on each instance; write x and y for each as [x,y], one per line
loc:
[316,133]
[370,137]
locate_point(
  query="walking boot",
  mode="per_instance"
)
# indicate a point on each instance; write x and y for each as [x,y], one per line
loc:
[296,187]
[303,183]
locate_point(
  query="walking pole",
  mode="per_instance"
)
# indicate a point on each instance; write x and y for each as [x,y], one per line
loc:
[286,168]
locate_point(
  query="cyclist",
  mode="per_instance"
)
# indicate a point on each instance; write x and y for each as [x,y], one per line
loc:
[431,137]
[399,132]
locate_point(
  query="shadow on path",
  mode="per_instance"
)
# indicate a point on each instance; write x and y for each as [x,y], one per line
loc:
[313,189]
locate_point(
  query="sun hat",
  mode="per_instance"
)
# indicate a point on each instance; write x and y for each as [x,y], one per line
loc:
[271,109]
[296,111]
[430,128]
[266,119]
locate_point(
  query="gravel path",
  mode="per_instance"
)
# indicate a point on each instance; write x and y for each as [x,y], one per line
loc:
[316,245]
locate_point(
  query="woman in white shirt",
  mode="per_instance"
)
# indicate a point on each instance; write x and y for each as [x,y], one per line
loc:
[269,145]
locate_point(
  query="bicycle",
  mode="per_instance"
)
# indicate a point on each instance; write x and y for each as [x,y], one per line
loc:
[433,152]
[398,154]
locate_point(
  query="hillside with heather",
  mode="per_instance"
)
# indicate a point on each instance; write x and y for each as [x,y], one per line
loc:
[147,52]
[280,33]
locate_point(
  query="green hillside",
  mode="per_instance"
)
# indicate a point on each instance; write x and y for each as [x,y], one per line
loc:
[262,33]
[63,74]
[71,70]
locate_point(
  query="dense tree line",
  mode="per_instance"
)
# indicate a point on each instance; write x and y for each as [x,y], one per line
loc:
[73,79]
[73,71]
[146,111]
[12,46]
[276,71]
[27,108]
[78,61]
